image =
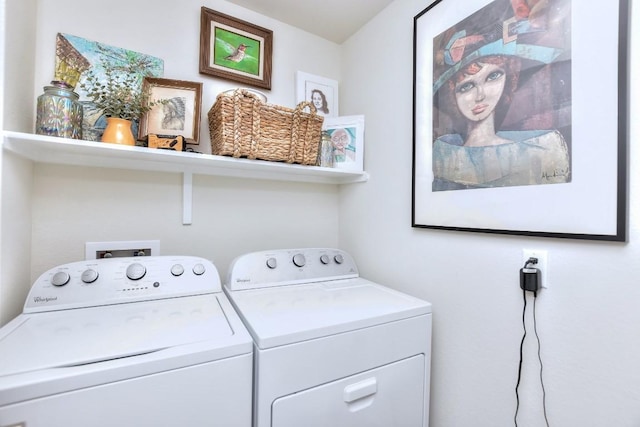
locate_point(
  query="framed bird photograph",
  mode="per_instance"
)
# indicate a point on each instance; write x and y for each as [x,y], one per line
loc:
[235,50]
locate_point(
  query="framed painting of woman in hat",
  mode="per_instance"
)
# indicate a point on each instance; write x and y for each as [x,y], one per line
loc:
[484,134]
[494,112]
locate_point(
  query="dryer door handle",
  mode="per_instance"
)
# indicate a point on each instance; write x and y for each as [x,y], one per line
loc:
[360,390]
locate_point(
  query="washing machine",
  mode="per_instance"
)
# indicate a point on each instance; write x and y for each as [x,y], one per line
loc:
[331,348]
[144,341]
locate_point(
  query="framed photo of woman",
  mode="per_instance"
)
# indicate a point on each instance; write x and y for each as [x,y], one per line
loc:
[506,139]
[178,115]
[320,91]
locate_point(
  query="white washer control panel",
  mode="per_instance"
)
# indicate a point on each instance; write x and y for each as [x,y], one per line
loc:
[288,267]
[108,281]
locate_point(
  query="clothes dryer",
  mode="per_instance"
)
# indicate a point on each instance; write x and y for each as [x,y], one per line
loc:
[331,348]
[144,341]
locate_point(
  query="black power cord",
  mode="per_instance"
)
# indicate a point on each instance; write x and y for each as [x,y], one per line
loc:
[544,392]
[530,281]
[524,335]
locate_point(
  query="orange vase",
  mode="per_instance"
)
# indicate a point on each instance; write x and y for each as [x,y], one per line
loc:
[118,131]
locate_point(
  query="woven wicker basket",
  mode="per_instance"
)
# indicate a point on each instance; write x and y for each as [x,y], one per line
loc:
[241,125]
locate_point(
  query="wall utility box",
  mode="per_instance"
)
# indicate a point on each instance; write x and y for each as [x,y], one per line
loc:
[130,248]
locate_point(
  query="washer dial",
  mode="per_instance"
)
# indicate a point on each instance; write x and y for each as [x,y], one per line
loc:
[61,278]
[89,276]
[198,269]
[136,271]
[177,269]
[299,260]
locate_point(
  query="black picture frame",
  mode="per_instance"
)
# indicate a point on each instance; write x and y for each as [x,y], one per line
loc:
[554,166]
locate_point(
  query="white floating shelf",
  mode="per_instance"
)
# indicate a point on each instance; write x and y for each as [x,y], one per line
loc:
[47,149]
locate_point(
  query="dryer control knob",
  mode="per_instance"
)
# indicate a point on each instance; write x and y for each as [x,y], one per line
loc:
[324,259]
[61,278]
[198,269]
[339,259]
[89,276]
[136,271]
[299,260]
[177,270]
[272,263]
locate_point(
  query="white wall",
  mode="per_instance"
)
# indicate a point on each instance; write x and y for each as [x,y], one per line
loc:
[64,206]
[2,49]
[230,216]
[16,63]
[588,320]
[15,234]
[171,30]
[73,205]
[19,56]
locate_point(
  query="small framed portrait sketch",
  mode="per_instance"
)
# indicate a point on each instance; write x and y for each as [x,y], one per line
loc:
[179,115]
[347,139]
[320,91]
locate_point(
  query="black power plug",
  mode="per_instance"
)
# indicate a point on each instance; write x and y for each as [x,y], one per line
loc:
[530,276]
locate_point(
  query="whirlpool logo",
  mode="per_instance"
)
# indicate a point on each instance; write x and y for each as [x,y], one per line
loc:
[44,300]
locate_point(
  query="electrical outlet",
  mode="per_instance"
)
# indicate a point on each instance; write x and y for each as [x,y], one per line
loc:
[97,250]
[542,265]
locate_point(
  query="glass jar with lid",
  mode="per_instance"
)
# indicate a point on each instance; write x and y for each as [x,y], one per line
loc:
[59,113]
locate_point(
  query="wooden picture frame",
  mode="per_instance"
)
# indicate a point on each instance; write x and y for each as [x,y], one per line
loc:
[179,116]
[549,164]
[235,50]
[347,138]
[320,91]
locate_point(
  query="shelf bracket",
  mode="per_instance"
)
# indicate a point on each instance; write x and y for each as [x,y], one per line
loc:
[187,197]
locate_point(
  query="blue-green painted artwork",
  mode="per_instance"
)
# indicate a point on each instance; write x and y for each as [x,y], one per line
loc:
[127,60]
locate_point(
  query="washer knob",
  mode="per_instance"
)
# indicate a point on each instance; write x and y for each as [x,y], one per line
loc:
[198,269]
[177,270]
[339,259]
[136,271]
[89,276]
[299,260]
[272,263]
[324,259]
[61,278]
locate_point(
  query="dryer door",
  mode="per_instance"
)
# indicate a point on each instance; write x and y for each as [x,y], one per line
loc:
[391,395]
